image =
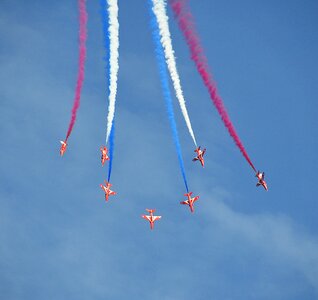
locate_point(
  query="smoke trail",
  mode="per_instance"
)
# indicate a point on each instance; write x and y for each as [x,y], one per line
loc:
[111,44]
[81,63]
[104,16]
[111,150]
[186,24]
[165,88]
[113,31]
[159,10]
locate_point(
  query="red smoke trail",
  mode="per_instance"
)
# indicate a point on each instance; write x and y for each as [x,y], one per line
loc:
[186,24]
[81,62]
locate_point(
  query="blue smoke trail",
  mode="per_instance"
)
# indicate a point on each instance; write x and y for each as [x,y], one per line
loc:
[165,88]
[111,150]
[104,15]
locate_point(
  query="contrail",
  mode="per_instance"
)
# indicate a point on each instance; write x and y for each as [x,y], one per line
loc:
[186,24]
[165,88]
[113,31]
[81,63]
[159,9]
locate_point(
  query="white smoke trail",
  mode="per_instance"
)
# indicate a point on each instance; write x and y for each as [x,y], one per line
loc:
[159,9]
[113,30]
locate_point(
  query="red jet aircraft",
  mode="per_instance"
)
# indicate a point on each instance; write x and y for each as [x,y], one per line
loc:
[190,201]
[63,147]
[200,155]
[106,189]
[151,218]
[104,154]
[260,176]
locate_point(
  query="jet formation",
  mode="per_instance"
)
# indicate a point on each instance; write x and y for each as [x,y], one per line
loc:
[189,201]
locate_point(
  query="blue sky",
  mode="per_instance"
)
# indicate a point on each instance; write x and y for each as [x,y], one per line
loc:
[58,237]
